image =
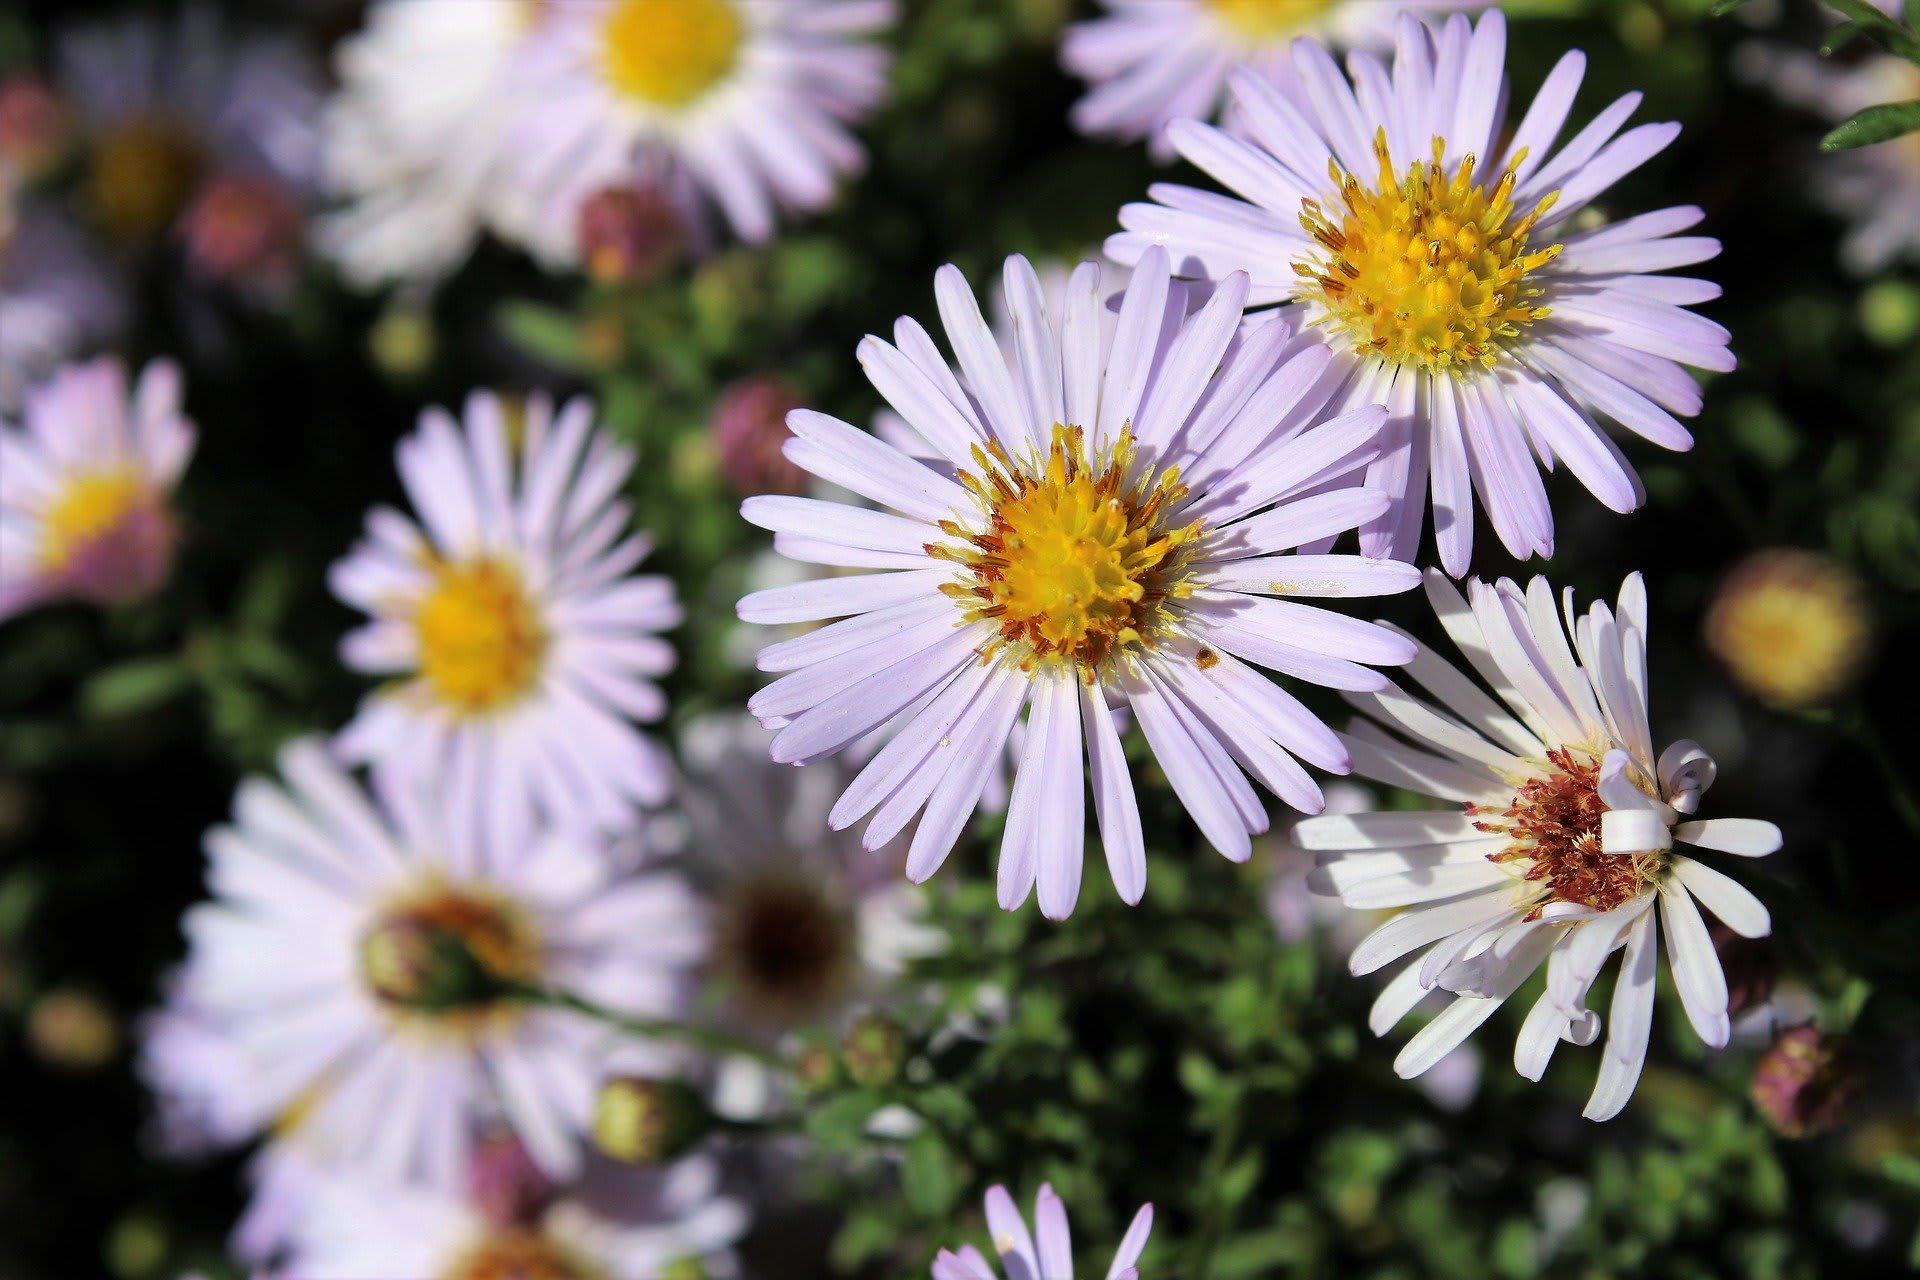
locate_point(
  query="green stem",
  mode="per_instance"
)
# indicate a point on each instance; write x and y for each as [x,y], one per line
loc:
[1219,1155]
[711,1039]
[1899,788]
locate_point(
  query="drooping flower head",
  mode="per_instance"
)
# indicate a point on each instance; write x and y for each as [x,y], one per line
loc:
[1149,62]
[747,100]
[86,481]
[1108,522]
[1559,846]
[358,955]
[1043,1253]
[1444,270]
[519,644]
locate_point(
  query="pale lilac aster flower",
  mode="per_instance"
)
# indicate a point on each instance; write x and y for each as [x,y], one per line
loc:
[1045,1253]
[1105,523]
[57,296]
[1559,846]
[1876,188]
[164,107]
[320,960]
[1150,62]
[749,100]
[1445,271]
[414,139]
[86,481]
[354,1228]
[519,645]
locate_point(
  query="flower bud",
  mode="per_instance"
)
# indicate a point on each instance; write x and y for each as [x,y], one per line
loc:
[1804,1083]
[402,341]
[1750,966]
[244,231]
[412,961]
[876,1049]
[643,1121]
[1791,627]
[629,235]
[749,430]
[72,1029]
[817,1067]
[34,126]
[504,1183]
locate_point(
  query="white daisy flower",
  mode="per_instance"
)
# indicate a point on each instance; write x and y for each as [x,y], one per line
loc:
[519,645]
[1559,846]
[353,1229]
[1444,269]
[322,958]
[1106,521]
[751,99]
[1044,1253]
[86,481]
[1150,62]
[806,922]
[414,139]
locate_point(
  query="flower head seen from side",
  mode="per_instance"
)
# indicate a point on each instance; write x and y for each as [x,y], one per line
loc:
[1044,1253]
[414,139]
[362,954]
[1559,847]
[1109,522]
[1147,64]
[519,645]
[86,481]
[353,1228]
[1450,277]
[749,101]
[806,922]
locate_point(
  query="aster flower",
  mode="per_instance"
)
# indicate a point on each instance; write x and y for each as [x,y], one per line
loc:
[749,100]
[519,646]
[1044,1253]
[1445,273]
[1875,188]
[1559,846]
[324,959]
[1104,526]
[57,297]
[85,485]
[163,108]
[805,921]
[1792,627]
[353,1229]
[1149,62]
[414,141]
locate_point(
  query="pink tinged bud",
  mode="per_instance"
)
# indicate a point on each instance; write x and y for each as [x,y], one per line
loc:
[629,235]
[1804,1083]
[505,1184]
[244,230]
[1750,966]
[749,428]
[34,126]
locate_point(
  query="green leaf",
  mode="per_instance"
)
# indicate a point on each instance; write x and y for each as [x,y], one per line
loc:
[1721,8]
[544,332]
[133,687]
[1875,124]
[928,1176]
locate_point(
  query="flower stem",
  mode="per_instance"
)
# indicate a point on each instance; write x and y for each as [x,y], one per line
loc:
[710,1039]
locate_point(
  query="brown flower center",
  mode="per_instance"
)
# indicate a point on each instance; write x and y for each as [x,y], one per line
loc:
[1553,825]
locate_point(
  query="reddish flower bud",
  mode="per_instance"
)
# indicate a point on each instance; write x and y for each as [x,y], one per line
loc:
[244,231]
[1804,1082]
[749,428]
[629,235]
[1750,966]
[34,125]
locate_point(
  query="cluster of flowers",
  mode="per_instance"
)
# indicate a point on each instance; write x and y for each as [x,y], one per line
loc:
[434,939]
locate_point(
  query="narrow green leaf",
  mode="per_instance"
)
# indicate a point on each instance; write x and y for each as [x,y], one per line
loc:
[134,687]
[927,1175]
[1875,124]
[546,333]
[1721,8]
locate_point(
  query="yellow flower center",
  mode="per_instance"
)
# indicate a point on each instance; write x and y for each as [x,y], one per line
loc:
[439,954]
[1265,20]
[1554,826]
[519,1254]
[1790,626]
[480,640]
[93,506]
[141,174]
[1078,556]
[1428,270]
[666,53]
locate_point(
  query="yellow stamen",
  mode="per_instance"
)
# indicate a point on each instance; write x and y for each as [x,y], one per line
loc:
[481,641]
[92,507]
[1269,19]
[516,1253]
[1078,556]
[141,174]
[667,53]
[1428,270]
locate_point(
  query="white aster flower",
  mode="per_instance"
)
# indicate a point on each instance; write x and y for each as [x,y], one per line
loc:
[1105,524]
[1560,844]
[806,922]
[86,480]
[1044,1253]
[354,1229]
[414,139]
[520,645]
[1444,269]
[751,99]
[1149,62]
[322,960]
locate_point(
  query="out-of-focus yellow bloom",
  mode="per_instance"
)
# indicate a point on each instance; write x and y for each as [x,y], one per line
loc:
[1792,627]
